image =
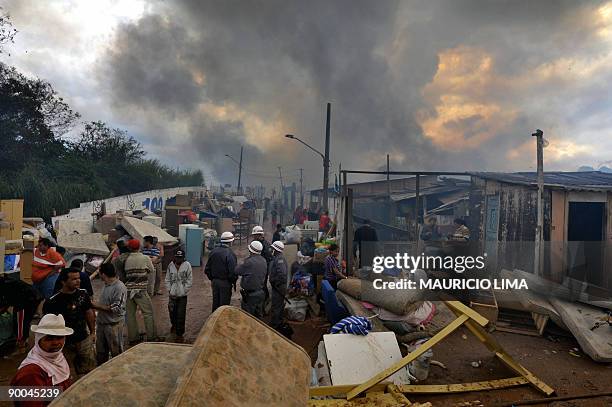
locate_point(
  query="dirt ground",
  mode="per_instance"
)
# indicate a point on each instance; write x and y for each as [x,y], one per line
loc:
[548,360]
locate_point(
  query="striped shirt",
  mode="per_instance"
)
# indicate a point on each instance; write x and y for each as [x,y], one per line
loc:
[331,264]
[151,251]
[44,264]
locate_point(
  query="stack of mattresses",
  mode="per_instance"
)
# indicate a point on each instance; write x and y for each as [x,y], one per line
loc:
[144,375]
[236,361]
[239,361]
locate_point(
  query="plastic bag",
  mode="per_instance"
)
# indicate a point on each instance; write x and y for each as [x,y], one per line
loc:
[297,310]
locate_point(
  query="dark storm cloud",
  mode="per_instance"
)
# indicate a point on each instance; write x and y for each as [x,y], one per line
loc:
[148,65]
[282,60]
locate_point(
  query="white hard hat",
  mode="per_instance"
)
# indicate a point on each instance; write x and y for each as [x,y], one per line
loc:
[257,230]
[278,246]
[227,237]
[255,247]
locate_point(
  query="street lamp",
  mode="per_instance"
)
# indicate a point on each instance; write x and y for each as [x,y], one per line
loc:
[239,168]
[325,165]
[291,136]
[324,156]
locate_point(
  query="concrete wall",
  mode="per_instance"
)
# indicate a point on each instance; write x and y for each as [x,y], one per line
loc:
[152,200]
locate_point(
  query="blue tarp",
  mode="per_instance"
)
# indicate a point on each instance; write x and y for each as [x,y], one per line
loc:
[205,215]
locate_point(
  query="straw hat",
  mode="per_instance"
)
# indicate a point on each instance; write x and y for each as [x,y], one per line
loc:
[52,324]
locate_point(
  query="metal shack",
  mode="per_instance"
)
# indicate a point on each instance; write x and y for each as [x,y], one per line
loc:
[577,229]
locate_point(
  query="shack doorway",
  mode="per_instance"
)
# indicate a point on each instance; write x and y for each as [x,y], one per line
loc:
[586,237]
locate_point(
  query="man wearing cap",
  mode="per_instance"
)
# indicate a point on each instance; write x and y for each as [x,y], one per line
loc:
[45,365]
[253,273]
[278,280]
[179,278]
[151,250]
[74,304]
[221,271]
[135,268]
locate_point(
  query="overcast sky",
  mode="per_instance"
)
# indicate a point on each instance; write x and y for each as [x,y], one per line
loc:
[438,85]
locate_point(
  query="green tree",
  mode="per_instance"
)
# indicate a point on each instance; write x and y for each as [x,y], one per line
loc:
[32,119]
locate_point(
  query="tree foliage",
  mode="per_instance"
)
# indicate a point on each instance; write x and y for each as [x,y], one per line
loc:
[32,119]
[52,173]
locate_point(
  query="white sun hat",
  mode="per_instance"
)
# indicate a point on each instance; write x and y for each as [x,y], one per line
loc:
[52,324]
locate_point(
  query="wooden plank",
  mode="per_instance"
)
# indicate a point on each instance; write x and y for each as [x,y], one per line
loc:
[540,321]
[2,254]
[557,236]
[323,391]
[463,387]
[410,357]
[517,331]
[479,319]
[537,383]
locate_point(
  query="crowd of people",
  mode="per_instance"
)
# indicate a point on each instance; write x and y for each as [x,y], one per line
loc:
[79,333]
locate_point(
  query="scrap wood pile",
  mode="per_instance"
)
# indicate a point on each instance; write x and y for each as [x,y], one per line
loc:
[362,352]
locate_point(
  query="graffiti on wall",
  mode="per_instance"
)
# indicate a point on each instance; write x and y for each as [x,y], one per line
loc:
[155,204]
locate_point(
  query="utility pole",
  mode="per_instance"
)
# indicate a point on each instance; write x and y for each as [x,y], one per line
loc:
[326,159]
[301,189]
[537,261]
[282,190]
[240,171]
[390,208]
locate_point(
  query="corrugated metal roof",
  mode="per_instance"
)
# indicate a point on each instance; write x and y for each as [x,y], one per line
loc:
[587,180]
[436,189]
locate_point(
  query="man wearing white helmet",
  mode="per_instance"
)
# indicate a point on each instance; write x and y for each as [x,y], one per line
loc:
[258,235]
[278,280]
[221,271]
[253,273]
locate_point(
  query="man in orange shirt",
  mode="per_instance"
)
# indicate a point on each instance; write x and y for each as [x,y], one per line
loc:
[45,267]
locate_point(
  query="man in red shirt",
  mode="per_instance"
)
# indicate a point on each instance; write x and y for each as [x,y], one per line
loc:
[324,222]
[46,265]
[45,365]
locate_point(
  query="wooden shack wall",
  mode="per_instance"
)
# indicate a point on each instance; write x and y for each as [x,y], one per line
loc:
[517,221]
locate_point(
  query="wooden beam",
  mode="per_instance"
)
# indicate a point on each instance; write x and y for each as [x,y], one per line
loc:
[463,387]
[512,364]
[464,309]
[490,342]
[339,390]
[408,358]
